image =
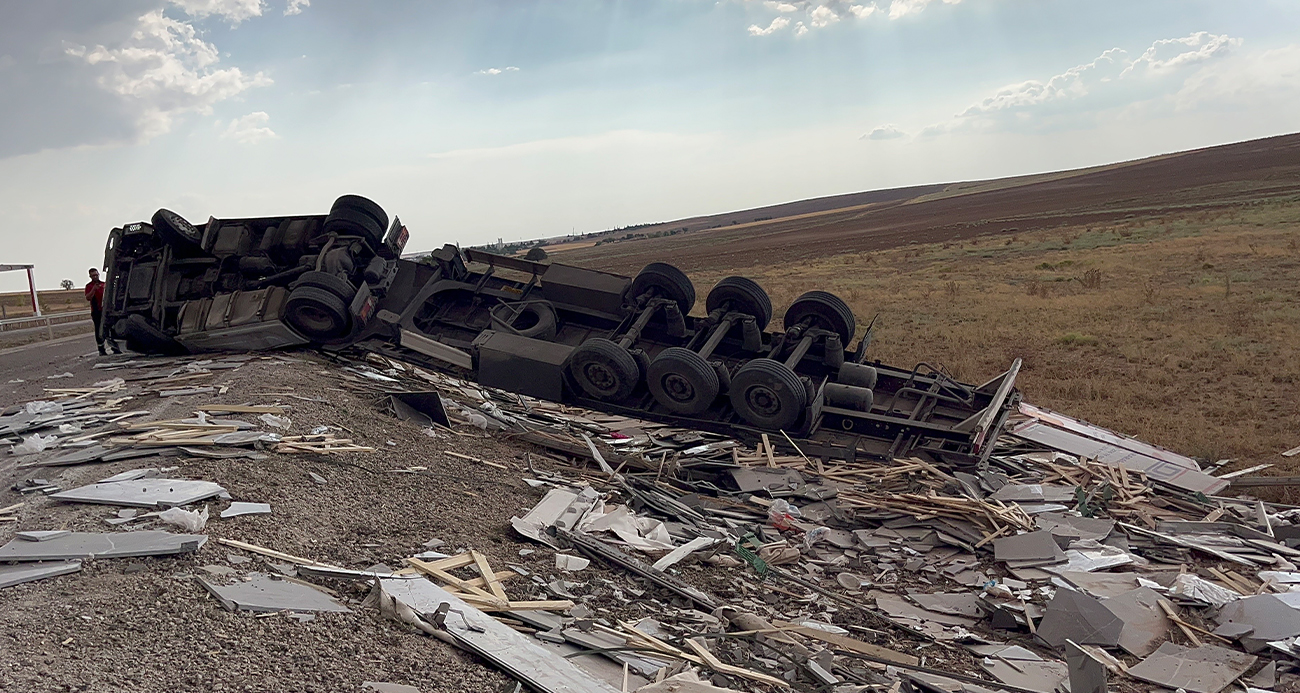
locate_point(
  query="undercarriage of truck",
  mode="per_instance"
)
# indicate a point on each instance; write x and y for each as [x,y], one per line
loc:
[638,346]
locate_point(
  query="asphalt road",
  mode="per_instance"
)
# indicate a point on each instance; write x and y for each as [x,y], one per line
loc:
[33,363]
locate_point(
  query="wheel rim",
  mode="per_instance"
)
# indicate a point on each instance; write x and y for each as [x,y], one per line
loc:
[315,320]
[600,377]
[763,400]
[678,388]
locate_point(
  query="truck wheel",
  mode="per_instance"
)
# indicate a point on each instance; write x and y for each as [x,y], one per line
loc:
[668,281]
[604,370]
[175,230]
[826,310]
[682,381]
[744,295]
[317,314]
[365,206]
[767,394]
[348,221]
[333,284]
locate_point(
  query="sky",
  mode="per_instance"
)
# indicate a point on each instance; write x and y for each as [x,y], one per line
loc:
[519,119]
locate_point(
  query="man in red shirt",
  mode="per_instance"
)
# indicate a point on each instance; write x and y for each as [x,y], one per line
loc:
[95,295]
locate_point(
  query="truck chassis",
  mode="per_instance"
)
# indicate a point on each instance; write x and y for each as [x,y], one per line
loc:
[624,345]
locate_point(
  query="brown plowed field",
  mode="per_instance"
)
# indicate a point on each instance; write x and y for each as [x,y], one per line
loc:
[1198,180]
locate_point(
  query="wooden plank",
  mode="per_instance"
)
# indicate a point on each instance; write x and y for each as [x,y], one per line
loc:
[272,553]
[717,665]
[485,570]
[844,642]
[242,409]
[462,585]
[767,448]
[476,459]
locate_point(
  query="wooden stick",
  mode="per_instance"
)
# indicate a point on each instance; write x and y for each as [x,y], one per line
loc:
[486,571]
[272,553]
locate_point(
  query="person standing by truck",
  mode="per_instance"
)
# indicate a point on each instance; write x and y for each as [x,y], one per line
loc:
[95,295]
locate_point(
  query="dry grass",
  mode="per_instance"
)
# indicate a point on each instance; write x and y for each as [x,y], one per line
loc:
[1183,330]
[18,305]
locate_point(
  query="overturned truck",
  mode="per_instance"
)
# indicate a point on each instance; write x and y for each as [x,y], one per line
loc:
[625,345]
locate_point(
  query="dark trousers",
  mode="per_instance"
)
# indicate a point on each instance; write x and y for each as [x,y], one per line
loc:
[97,316]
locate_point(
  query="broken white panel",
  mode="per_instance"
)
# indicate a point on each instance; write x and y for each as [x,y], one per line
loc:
[642,533]
[131,475]
[1061,432]
[42,535]
[683,551]
[238,508]
[264,593]
[143,493]
[569,563]
[11,575]
[1107,436]
[558,504]
[97,545]
[516,653]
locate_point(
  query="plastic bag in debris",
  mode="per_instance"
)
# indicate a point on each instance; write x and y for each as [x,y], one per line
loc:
[189,520]
[1192,587]
[43,407]
[109,383]
[814,535]
[275,421]
[33,444]
[780,513]
[69,428]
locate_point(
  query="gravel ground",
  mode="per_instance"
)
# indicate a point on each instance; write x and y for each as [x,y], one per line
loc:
[147,625]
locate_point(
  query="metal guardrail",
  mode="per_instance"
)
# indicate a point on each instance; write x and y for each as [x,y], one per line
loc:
[50,320]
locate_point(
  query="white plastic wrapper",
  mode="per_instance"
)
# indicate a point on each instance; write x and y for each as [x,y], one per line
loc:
[275,421]
[43,407]
[189,520]
[33,444]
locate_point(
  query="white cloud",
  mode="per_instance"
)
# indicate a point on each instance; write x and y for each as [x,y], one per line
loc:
[296,7]
[234,10]
[777,24]
[1112,80]
[902,8]
[884,132]
[164,70]
[250,129]
[818,14]
[823,16]
[497,70]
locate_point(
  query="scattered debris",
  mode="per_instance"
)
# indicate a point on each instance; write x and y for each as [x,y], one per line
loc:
[240,508]
[261,592]
[92,545]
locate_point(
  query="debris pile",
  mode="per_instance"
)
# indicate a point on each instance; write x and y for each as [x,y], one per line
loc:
[683,560]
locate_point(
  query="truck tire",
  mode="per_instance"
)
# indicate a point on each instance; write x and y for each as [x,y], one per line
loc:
[175,230]
[668,281]
[347,221]
[604,370]
[744,295]
[768,395]
[682,381]
[324,280]
[317,314]
[826,310]
[365,206]
[143,338]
